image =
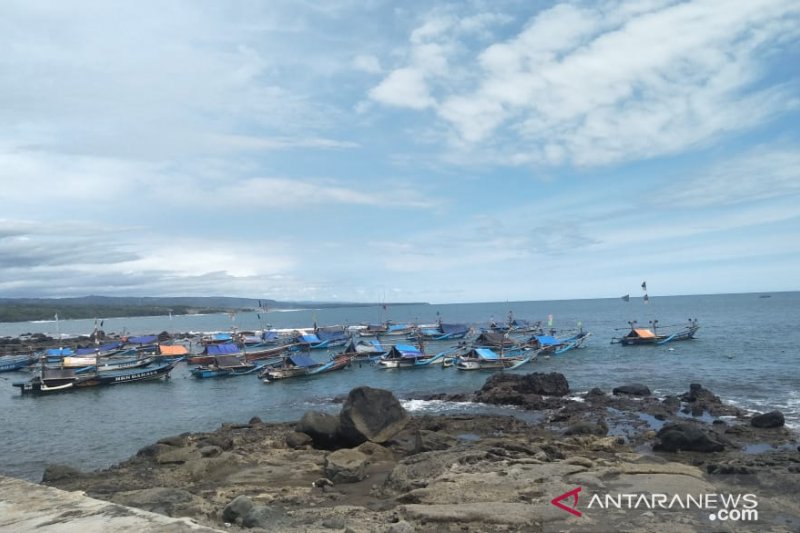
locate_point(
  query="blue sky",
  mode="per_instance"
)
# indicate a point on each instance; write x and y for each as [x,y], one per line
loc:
[414,151]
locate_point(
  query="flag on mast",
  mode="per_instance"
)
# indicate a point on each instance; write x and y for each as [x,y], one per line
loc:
[644,285]
[646,298]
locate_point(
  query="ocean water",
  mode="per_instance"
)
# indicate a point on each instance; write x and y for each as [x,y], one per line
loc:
[746,352]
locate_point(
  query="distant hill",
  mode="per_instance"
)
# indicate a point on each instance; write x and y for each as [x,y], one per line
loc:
[25,309]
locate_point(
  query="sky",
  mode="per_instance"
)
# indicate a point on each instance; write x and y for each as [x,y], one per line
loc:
[399,151]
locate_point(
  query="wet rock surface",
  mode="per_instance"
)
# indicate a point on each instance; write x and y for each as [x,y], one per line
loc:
[464,472]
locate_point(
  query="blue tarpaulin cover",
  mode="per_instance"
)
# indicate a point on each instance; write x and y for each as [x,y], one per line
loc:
[302,360]
[450,329]
[269,335]
[221,336]
[147,339]
[407,350]
[309,339]
[60,351]
[547,340]
[222,349]
[486,353]
[331,335]
[397,327]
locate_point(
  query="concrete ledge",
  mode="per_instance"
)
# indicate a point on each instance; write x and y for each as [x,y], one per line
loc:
[27,507]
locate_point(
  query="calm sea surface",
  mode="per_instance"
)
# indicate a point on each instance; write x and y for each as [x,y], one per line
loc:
[746,352]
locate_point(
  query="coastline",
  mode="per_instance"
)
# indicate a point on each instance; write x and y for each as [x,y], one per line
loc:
[464,472]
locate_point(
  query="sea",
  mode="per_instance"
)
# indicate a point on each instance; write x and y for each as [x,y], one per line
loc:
[746,352]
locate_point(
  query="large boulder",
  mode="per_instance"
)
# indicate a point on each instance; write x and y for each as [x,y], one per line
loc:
[323,428]
[773,419]
[699,394]
[345,466]
[526,390]
[686,437]
[632,389]
[369,414]
[58,472]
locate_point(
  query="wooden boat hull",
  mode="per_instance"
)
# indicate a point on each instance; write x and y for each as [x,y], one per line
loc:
[79,381]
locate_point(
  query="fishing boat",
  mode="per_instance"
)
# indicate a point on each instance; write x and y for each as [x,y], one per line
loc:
[211,351]
[651,336]
[10,363]
[487,359]
[172,352]
[495,339]
[551,345]
[226,366]
[298,365]
[49,379]
[442,332]
[87,364]
[408,356]
[364,350]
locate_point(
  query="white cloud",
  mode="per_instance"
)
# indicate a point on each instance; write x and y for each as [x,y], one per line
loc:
[405,87]
[601,83]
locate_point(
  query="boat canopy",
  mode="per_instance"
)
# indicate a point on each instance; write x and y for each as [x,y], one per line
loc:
[330,335]
[308,338]
[86,351]
[145,339]
[431,332]
[222,349]
[407,350]
[397,327]
[173,349]
[302,361]
[547,340]
[57,352]
[644,333]
[486,353]
[452,329]
[221,337]
[269,336]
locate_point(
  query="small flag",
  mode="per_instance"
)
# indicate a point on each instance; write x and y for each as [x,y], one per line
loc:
[646,298]
[56,316]
[258,315]
[644,285]
[384,307]
[101,323]
[259,304]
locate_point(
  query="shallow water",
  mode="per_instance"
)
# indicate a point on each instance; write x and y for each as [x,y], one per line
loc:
[746,352]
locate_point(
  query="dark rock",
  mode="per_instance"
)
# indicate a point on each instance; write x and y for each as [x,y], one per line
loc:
[237,509]
[297,440]
[373,415]
[698,394]
[633,389]
[552,384]
[323,428]
[255,421]
[676,437]
[265,517]
[59,472]
[587,428]
[773,419]
[596,393]
[526,390]
[671,404]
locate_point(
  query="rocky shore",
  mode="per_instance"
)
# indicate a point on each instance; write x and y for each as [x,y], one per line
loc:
[375,468]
